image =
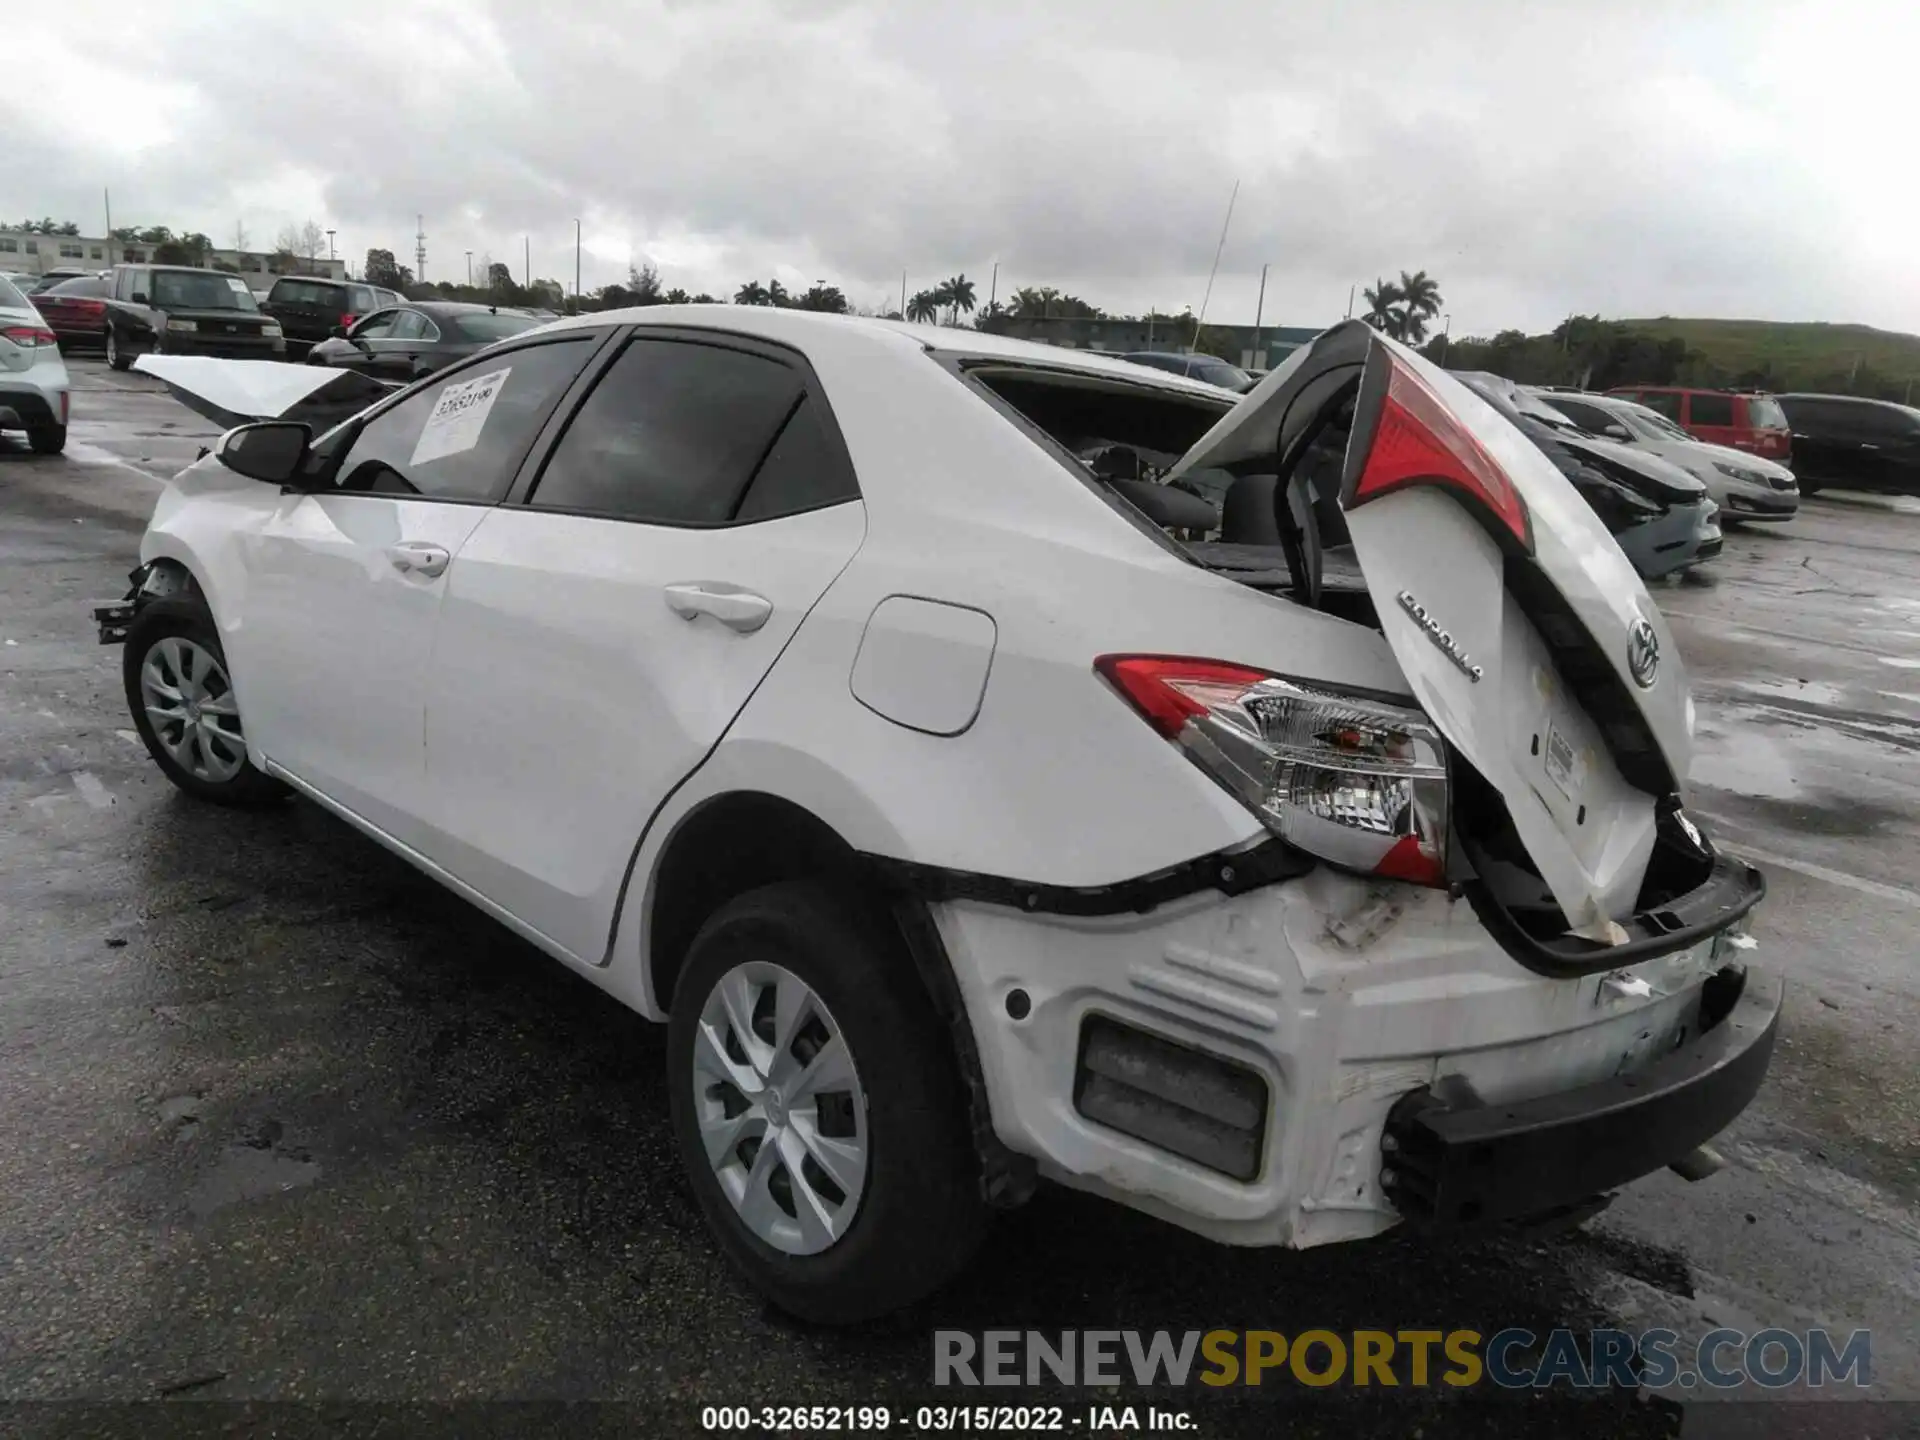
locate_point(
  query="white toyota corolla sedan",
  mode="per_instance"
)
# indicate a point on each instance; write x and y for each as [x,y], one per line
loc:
[890,711]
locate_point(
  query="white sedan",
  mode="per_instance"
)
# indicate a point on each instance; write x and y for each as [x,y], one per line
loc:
[1746,487]
[34,392]
[839,693]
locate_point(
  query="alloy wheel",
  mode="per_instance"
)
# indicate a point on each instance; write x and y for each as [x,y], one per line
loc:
[780,1109]
[190,703]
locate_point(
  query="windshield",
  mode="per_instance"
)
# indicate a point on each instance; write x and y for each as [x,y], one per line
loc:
[91,285]
[492,327]
[9,297]
[200,290]
[1764,413]
[1218,372]
[1650,422]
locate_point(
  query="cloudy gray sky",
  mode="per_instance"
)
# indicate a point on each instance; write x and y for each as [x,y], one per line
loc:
[1537,156]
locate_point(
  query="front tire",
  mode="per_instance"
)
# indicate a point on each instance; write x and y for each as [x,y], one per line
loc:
[818,1107]
[48,439]
[181,696]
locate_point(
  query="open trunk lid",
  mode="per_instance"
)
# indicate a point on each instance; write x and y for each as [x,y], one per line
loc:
[1523,630]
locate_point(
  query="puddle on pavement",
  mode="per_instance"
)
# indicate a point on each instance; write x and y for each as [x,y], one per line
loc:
[1745,763]
[1811,692]
[252,1168]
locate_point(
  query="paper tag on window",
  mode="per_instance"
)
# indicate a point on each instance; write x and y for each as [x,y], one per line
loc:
[239,285]
[459,416]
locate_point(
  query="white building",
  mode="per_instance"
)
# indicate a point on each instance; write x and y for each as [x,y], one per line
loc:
[36,254]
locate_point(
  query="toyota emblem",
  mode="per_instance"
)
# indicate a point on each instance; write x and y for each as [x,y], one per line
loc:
[1643,654]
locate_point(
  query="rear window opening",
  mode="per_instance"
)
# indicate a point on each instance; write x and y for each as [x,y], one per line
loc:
[1124,438]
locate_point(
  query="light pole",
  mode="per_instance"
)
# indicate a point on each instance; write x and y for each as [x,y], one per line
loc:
[330,245]
[1446,334]
[469,269]
[576,264]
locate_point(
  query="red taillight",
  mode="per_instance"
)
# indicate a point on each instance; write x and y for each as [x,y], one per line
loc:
[29,337]
[346,321]
[92,309]
[1146,681]
[1353,779]
[1418,442]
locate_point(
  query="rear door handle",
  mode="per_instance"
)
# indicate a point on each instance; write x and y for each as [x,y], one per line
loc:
[740,610]
[417,557]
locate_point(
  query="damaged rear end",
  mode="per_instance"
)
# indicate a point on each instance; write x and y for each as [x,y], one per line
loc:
[1511,977]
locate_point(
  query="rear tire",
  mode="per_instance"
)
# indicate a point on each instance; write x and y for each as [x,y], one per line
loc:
[117,356]
[48,439]
[181,696]
[910,1214]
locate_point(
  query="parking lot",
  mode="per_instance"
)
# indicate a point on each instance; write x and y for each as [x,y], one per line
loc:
[282,1120]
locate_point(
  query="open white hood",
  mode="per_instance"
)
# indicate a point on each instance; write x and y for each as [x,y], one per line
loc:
[236,392]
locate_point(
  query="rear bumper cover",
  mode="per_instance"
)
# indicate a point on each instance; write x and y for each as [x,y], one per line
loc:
[1473,1163]
[30,409]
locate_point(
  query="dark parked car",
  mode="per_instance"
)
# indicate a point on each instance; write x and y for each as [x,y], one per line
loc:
[310,307]
[180,310]
[1853,443]
[417,338]
[1663,517]
[52,278]
[1209,368]
[76,310]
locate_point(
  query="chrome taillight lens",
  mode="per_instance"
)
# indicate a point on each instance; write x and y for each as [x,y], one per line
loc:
[1359,782]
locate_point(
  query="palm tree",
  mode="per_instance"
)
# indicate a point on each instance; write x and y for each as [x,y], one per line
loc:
[777,295]
[924,307]
[751,293]
[957,295]
[1419,301]
[1383,299]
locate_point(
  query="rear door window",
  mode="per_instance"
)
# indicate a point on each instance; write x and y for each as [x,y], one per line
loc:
[363,299]
[671,435]
[1709,409]
[462,436]
[1764,413]
[1664,401]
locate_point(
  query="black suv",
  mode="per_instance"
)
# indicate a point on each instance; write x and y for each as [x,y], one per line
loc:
[179,309]
[1847,442]
[310,307]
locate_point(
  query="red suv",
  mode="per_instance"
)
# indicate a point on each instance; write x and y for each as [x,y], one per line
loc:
[1749,420]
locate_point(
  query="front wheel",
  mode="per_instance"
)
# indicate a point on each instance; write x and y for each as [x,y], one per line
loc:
[818,1107]
[184,707]
[118,356]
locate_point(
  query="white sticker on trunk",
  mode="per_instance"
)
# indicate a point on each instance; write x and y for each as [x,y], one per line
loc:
[459,416]
[1563,766]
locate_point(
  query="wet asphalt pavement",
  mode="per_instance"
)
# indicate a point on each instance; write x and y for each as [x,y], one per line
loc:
[282,1121]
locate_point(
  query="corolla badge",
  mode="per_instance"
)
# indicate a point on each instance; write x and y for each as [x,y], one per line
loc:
[1442,641]
[1643,654]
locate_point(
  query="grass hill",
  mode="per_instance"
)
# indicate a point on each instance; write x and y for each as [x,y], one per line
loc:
[1806,356]
[1764,354]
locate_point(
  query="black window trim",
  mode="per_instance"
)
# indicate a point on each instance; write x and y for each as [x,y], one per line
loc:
[520,494]
[322,483]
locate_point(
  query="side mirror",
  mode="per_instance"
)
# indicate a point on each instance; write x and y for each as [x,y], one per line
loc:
[338,332]
[272,450]
[140,298]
